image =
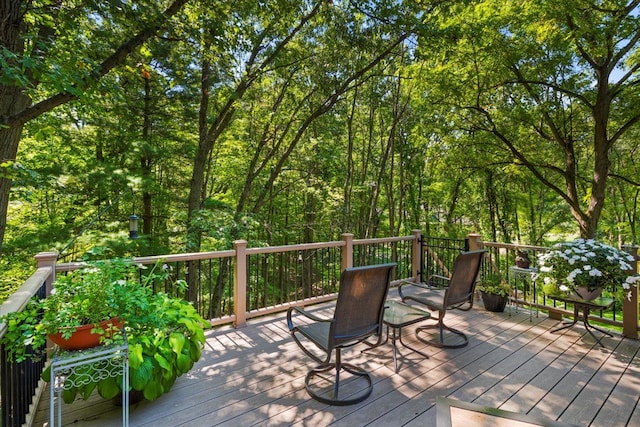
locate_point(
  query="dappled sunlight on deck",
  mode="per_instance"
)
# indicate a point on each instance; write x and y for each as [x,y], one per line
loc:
[255,376]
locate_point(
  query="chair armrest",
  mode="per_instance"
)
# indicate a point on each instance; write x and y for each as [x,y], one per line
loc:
[306,314]
[408,283]
[429,284]
[438,281]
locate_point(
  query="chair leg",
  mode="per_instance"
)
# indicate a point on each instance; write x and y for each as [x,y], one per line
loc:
[323,394]
[453,339]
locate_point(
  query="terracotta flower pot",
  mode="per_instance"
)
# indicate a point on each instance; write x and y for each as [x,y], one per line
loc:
[82,338]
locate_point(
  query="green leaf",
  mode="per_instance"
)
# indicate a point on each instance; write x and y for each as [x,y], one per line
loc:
[163,362]
[135,356]
[184,363]
[109,387]
[87,389]
[142,374]
[69,395]
[177,341]
[46,374]
[153,390]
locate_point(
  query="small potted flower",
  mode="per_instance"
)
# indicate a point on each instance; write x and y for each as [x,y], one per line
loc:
[85,307]
[522,259]
[585,268]
[494,292]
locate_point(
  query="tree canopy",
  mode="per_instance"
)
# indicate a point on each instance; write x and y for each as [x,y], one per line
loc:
[285,122]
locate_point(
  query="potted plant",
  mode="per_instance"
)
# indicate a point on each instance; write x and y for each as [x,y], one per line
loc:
[522,259]
[165,334]
[585,268]
[93,299]
[494,291]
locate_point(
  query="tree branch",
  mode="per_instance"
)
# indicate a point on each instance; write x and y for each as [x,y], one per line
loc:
[107,65]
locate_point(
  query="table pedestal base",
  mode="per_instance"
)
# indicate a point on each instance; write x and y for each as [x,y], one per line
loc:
[396,316]
[585,320]
[398,338]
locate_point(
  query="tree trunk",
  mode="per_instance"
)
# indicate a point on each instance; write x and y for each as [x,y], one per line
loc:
[146,162]
[493,206]
[9,138]
[12,101]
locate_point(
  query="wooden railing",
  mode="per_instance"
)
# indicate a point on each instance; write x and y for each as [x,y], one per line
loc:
[21,385]
[235,285]
[231,286]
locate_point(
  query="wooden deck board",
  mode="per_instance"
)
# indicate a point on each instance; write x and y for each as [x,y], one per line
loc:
[254,376]
[619,406]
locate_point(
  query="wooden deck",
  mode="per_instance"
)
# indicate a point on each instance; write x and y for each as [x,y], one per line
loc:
[255,376]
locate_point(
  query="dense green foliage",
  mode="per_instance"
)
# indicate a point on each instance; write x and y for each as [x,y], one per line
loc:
[286,122]
[165,333]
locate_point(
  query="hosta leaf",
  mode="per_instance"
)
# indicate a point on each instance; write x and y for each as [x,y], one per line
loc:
[177,342]
[163,362]
[184,363]
[109,388]
[153,390]
[69,395]
[142,374]
[135,356]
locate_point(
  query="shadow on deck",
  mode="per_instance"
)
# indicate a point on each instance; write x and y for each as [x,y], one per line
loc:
[255,376]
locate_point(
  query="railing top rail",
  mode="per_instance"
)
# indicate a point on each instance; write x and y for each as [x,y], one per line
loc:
[292,248]
[382,240]
[70,266]
[514,246]
[185,257]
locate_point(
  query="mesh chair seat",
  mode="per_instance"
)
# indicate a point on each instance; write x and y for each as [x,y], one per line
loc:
[357,316]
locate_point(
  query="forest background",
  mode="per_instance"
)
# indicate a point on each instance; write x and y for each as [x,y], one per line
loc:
[292,121]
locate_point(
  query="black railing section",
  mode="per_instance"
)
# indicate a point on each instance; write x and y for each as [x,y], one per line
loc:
[275,278]
[212,294]
[398,251]
[19,382]
[284,277]
[439,254]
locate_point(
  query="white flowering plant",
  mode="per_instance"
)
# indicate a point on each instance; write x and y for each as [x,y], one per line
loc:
[587,264]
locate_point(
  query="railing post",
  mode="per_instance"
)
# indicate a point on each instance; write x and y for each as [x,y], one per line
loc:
[416,260]
[347,252]
[630,305]
[48,259]
[475,243]
[240,284]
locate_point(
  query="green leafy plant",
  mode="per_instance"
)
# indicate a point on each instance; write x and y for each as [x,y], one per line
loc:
[100,291]
[165,334]
[493,284]
[160,350]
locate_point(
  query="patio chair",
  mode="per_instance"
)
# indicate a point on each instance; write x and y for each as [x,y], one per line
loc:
[458,294]
[357,316]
